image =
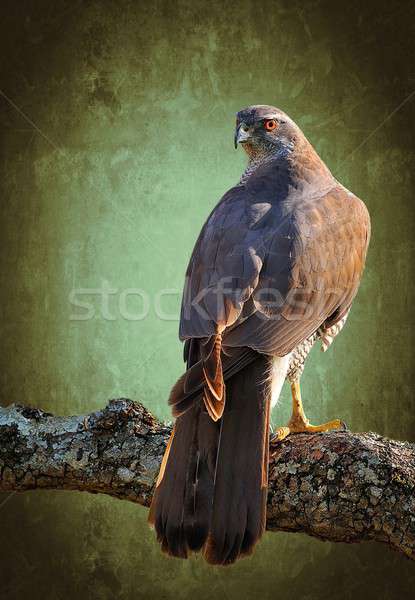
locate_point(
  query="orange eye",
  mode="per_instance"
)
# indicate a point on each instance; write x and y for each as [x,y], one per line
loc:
[270,124]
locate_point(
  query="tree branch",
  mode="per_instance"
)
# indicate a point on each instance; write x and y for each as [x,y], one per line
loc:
[336,486]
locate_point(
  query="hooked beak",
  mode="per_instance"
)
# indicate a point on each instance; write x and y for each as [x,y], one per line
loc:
[242,135]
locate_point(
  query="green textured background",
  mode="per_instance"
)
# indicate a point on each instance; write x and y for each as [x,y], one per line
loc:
[125,147]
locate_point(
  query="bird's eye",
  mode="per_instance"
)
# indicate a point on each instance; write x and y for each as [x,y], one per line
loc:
[270,124]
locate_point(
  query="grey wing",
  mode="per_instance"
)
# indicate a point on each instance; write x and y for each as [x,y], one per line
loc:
[228,258]
[321,277]
[270,274]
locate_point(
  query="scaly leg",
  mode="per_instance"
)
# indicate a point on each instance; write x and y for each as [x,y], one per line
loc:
[299,422]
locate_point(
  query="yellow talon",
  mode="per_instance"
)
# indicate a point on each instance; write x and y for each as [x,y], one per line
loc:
[299,422]
[280,434]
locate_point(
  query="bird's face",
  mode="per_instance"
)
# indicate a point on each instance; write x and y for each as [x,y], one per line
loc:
[264,129]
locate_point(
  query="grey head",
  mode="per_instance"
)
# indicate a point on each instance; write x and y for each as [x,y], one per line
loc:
[263,129]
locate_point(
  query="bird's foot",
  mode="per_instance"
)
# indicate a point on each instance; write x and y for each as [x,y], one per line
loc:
[304,427]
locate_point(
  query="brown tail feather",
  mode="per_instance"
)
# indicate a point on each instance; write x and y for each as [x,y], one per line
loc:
[199,493]
[181,506]
[166,511]
[239,503]
[212,492]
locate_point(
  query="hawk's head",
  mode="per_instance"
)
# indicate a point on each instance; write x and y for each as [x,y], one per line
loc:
[263,129]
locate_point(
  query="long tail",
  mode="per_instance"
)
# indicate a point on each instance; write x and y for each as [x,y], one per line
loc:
[212,488]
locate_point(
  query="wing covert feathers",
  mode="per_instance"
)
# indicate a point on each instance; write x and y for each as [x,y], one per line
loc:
[273,262]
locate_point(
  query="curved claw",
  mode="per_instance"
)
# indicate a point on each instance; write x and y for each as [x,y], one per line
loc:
[282,432]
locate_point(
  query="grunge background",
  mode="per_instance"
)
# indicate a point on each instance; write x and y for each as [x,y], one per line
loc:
[116,129]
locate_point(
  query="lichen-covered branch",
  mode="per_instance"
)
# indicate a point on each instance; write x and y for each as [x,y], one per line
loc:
[337,486]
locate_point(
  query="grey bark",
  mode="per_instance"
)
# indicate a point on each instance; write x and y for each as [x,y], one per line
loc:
[336,486]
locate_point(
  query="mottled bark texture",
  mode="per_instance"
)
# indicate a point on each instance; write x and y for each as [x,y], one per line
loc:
[337,486]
